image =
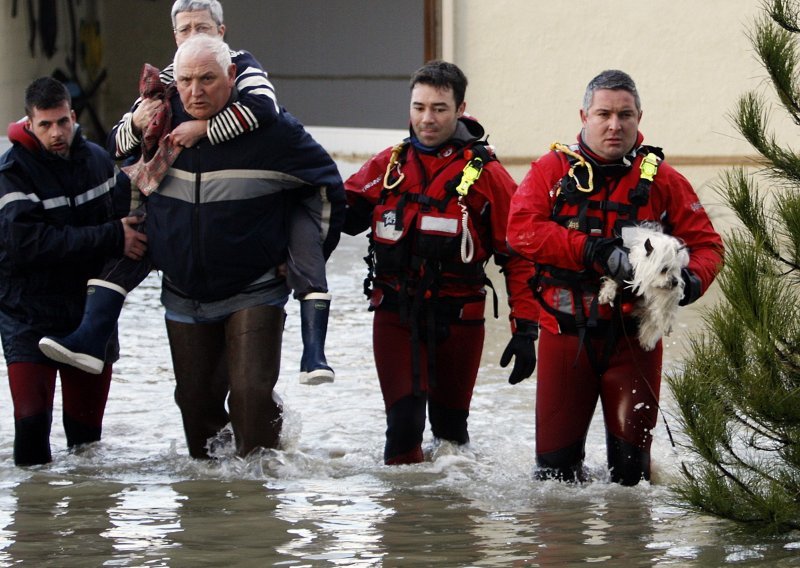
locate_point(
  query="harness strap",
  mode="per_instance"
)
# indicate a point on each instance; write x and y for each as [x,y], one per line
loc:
[579,322]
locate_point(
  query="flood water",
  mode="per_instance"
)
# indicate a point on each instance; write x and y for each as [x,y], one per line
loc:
[325,499]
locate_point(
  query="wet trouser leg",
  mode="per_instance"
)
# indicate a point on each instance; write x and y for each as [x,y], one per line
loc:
[567,392]
[630,395]
[201,380]
[457,360]
[32,388]
[405,411]
[253,342]
[84,399]
[405,423]
[306,276]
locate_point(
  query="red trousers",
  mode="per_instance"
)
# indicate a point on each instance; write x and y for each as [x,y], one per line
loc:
[568,388]
[32,392]
[458,350]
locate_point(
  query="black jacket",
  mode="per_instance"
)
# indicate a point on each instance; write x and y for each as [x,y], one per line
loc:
[219,219]
[56,231]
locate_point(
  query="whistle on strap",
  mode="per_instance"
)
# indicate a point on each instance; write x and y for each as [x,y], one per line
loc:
[470,174]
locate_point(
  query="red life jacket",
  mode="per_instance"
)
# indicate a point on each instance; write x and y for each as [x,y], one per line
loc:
[613,203]
[418,238]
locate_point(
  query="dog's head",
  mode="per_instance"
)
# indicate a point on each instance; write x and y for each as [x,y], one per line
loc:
[657,259]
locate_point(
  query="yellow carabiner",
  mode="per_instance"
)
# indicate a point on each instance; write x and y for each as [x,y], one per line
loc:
[392,163]
[557,146]
[471,173]
[649,166]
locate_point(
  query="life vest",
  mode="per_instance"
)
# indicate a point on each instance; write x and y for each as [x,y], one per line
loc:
[627,202]
[591,206]
[422,239]
[422,236]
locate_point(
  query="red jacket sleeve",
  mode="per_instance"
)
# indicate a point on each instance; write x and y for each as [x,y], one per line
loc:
[362,190]
[686,219]
[532,233]
[499,187]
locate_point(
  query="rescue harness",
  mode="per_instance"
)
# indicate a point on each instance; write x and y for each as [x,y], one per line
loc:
[435,263]
[575,189]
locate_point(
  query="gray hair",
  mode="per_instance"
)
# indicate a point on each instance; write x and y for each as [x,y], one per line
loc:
[614,80]
[213,6]
[204,44]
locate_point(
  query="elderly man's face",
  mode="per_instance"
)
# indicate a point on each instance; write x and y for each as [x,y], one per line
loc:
[188,24]
[204,86]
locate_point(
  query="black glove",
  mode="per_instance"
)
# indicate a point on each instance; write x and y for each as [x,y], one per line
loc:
[692,287]
[523,348]
[608,256]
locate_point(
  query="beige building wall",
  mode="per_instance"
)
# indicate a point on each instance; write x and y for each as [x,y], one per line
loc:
[529,62]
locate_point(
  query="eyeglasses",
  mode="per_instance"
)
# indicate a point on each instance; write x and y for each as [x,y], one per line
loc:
[185,31]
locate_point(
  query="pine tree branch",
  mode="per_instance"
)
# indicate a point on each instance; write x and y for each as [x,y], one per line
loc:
[750,118]
[785,14]
[775,47]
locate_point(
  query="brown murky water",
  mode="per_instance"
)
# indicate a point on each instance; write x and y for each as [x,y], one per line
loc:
[136,499]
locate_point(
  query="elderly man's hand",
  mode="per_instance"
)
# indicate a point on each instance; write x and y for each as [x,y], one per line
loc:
[144,113]
[187,134]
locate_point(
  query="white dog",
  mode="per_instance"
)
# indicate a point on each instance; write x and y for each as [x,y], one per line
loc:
[657,260]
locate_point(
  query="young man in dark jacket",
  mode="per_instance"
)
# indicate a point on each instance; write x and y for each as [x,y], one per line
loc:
[57,229]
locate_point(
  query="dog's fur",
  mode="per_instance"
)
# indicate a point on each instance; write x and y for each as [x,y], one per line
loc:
[657,260]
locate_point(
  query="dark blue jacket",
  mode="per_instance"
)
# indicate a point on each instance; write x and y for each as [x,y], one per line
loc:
[56,231]
[219,219]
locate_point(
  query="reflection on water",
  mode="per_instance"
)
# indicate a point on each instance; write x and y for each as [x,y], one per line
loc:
[136,499]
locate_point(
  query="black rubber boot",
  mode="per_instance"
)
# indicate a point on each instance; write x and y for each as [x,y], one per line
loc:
[565,464]
[448,423]
[253,347]
[85,348]
[201,380]
[314,311]
[32,439]
[79,433]
[628,464]
[405,423]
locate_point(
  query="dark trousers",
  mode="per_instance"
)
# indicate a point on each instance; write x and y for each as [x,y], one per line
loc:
[32,391]
[237,359]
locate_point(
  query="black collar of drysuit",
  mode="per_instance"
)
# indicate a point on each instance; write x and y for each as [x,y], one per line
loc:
[610,169]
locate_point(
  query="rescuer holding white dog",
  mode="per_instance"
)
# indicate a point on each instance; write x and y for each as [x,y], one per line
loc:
[567,217]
